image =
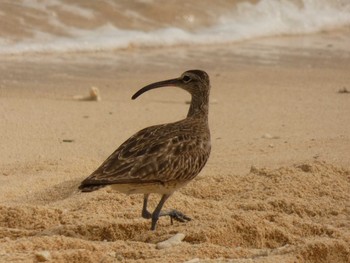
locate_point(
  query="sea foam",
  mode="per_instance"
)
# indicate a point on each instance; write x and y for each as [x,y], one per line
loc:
[244,21]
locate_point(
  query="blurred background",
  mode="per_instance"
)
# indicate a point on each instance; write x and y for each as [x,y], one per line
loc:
[79,25]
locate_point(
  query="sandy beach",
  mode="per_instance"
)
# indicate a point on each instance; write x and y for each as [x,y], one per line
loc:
[276,187]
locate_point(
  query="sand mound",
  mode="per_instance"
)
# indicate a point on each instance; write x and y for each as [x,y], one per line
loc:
[295,213]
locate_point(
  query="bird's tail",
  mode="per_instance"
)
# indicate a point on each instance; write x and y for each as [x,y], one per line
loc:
[90,188]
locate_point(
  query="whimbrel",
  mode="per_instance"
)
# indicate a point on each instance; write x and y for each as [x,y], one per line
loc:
[162,158]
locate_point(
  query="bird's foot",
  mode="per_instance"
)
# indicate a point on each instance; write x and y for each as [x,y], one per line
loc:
[175,215]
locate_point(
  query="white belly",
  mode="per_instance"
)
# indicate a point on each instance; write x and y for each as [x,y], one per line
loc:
[147,188]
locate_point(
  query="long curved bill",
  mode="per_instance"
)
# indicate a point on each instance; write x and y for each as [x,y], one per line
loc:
[160,84]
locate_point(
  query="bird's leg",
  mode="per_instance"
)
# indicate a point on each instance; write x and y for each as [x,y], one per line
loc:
[145,214]
[156,211]
[174,214]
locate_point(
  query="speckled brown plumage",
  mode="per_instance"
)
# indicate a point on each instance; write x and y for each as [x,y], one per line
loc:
[161,158]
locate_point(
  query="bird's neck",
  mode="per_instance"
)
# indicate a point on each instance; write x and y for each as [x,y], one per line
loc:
[199,106]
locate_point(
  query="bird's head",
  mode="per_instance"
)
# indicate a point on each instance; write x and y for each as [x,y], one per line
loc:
[195,82]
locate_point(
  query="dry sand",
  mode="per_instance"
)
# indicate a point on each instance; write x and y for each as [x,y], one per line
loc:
[276,187]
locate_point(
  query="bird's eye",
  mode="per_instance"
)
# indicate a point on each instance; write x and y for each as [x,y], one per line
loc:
[186,79]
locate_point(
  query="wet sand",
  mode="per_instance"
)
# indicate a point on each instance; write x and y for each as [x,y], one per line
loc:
[276,187]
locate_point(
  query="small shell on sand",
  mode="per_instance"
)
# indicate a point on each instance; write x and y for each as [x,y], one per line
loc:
[269,136]
[173,241]
[93,96]
[42,256]
[194,260]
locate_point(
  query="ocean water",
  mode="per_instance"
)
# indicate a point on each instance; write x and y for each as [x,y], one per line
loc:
[37,26]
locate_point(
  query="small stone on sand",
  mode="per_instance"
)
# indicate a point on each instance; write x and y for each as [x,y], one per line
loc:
[343,90]
[67,140]
[173,241]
